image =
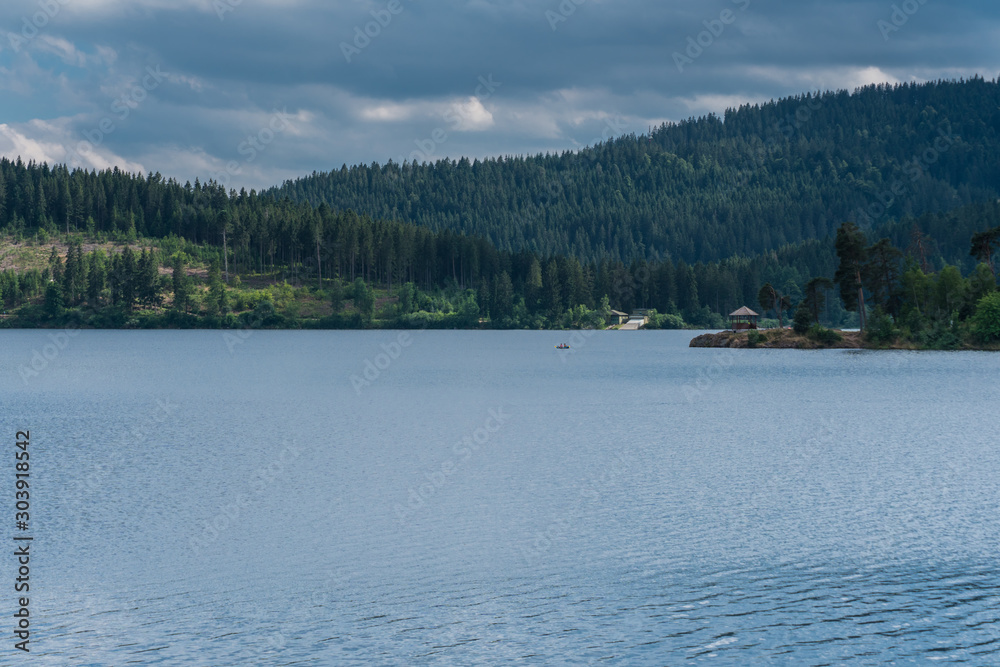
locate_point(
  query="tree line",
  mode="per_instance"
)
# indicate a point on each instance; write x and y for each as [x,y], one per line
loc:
[756,179]
[898,297]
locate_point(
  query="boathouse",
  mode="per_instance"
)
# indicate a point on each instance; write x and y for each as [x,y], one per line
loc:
[744,318]
[618,317]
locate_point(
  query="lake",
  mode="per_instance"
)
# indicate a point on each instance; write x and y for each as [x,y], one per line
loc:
[442,498]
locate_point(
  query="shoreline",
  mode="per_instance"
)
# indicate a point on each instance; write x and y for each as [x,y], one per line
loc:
[787,339]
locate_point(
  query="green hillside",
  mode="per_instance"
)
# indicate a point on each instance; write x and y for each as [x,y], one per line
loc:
[759,178]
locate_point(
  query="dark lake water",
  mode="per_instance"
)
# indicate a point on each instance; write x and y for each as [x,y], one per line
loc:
[201,498]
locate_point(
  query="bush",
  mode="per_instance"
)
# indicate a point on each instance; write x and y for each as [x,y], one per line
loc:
[824,335]
[755,338]
[986,320]
[942,334]
[250,299]
[665,321]
[881,329]
[803,318]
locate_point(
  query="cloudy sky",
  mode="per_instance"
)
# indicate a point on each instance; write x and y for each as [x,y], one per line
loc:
[253,92]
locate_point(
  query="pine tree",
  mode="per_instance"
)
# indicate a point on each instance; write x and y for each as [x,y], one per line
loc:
[182,289]
[148,280]
[336,295]
[503,297]
[364,300]
[71,277]
[850,244]
[217,300]
[803,318]
[96,278]
[53,300]
[128,277]
[552,290]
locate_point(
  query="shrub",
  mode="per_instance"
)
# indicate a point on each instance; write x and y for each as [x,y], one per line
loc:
[803,318]
[881,329]
[824,335]
[986,320]
[942,334]
[755,338]
[665,321]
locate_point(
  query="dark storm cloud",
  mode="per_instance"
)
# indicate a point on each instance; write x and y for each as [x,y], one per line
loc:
[373,80]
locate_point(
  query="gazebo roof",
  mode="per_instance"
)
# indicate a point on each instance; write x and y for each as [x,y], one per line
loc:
[742,312]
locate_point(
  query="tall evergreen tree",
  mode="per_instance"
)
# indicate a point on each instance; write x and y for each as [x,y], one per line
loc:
[182,289]
[851,246]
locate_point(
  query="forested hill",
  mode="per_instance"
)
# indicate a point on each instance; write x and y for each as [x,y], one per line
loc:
[702,190]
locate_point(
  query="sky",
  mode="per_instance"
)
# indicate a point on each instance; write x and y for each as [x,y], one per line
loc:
[251,93]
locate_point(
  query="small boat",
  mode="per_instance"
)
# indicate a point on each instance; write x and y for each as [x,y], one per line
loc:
[562,346]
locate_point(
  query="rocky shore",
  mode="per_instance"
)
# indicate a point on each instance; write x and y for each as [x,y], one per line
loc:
[780,339]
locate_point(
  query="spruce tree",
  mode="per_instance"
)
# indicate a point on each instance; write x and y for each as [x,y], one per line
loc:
[182,289]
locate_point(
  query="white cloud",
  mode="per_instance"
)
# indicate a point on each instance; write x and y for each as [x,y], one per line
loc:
[820,78]
[222,7]
[388,112]
[53,142]
[470,116]
[62,48]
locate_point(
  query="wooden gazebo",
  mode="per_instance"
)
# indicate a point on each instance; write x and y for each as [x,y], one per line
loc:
[744,318]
